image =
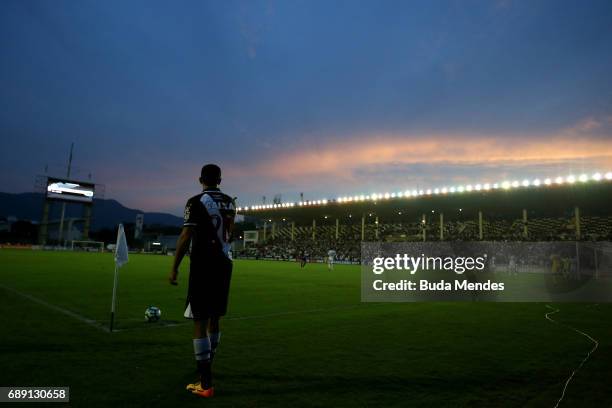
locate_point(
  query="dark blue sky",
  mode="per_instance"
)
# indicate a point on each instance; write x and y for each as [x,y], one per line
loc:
[329,98]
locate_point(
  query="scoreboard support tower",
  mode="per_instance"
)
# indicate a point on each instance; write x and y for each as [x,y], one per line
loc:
[65,191]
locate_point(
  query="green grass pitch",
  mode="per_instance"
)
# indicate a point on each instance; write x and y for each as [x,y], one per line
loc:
[292,336]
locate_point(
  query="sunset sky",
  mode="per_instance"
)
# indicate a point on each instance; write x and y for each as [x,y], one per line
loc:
[323,97]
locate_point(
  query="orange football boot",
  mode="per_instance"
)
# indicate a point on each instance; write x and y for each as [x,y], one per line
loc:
[203,392]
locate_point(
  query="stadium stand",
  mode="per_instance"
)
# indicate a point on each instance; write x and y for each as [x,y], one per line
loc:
[570,212]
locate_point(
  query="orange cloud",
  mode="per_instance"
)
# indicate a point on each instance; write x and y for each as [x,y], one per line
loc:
[372,161]
[341,159]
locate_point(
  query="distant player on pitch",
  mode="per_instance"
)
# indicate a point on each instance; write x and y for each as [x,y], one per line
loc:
[512,266]
[331,256]
[303,258]
[208,224]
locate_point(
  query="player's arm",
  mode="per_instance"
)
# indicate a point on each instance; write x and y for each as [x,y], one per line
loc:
[230,230]
[230,222]
[182,245]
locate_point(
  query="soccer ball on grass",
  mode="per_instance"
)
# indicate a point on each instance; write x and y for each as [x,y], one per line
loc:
[152,314]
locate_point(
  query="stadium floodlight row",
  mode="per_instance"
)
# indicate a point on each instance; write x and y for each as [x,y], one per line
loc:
[504,185]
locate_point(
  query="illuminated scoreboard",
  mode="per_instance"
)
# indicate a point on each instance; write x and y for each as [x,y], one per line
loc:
[68,190]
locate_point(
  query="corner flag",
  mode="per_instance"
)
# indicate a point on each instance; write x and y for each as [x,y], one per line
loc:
[121,249]
[121,258]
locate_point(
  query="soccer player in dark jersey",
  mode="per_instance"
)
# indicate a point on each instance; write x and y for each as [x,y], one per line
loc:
[208,224]
[303,259]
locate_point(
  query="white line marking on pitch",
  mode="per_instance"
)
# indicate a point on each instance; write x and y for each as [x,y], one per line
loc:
[83,319]
[277,314]
[262,316]
[584,360]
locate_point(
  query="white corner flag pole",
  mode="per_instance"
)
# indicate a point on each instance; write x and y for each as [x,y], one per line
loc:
[114,301]
[121,258]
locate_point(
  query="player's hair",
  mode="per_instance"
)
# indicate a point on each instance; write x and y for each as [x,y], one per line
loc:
[211,175]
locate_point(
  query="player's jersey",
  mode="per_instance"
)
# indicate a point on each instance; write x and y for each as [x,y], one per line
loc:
[331,254]
[212,214]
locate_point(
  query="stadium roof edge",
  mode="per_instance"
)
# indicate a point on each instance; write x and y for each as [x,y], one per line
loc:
[438,191]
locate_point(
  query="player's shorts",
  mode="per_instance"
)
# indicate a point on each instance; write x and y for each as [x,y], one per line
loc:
[209,284]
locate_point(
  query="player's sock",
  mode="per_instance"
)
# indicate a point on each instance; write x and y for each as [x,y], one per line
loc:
[214,342]
[202,349]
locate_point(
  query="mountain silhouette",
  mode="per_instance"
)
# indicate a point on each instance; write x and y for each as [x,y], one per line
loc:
[105,214]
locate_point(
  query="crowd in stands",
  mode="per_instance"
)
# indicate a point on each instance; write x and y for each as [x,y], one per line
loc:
[281,248]
[347,246]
